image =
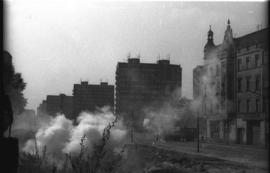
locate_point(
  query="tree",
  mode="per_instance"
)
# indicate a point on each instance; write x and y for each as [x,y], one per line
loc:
[13,84]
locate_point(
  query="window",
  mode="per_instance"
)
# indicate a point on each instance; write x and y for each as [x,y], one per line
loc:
[211,71]
[247,62]
[217,107]
[257,105]
[247,83]
[239,62]
[248,105]
[239,84]
[238,106]
[217,70]
[223,67]
[265,105]
[258,82]
[257,60]
[263,58]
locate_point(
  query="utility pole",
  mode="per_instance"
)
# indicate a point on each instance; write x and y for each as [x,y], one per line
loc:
[131,128]
[198,133]
[203,107]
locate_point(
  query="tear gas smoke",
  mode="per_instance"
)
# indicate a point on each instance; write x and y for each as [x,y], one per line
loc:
[60,136]
[162,118]
[27,124]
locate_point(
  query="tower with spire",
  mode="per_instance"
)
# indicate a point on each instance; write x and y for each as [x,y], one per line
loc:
[210,48]
[228,36]
[210,40]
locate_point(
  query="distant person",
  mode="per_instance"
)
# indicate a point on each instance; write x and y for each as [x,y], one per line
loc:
[131,136]
[202,138]
[6,115]
[54,169]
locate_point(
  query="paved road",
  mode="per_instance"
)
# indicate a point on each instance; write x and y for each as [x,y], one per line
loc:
[247,155]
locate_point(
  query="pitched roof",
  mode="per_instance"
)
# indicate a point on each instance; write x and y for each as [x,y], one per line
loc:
[257,37]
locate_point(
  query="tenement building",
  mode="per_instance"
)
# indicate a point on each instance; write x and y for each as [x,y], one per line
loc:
[232,86]
[140,85]
[57,104]
[90,97]
[252,77]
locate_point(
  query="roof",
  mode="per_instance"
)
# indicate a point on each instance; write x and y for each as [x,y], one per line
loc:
[147,65]
[209,45]
[199,69]
[102,84]
[257,37]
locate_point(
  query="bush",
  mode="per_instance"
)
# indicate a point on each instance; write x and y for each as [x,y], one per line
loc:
[102,159]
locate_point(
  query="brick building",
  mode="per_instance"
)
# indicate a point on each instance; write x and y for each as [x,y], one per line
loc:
[139,85]
[90,97]
[233,115]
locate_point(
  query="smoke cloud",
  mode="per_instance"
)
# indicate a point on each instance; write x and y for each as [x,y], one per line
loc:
[60,136]
[161,120]
[163,117]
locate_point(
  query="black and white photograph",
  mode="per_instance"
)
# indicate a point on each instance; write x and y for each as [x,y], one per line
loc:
[134,86]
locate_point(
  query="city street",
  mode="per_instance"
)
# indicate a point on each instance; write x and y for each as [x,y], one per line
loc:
[250,156]
[134,87]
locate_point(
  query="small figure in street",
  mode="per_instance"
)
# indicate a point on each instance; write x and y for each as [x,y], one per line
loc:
[131,135]
[54,168]
[156,138]
[202,138]
[6,115]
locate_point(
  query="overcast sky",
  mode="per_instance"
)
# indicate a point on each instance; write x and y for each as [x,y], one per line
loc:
[55,44]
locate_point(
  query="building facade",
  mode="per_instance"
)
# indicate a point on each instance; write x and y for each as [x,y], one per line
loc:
[42,107]
[57,104]
[252,87]
[139,85]
[212,86]
[219,82]
[90,97]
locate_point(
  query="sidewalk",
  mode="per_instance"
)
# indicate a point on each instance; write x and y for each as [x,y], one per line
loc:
[248,156]
[251,156]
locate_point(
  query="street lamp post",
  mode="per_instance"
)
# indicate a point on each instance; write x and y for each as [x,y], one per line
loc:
[198,133]
[131,128]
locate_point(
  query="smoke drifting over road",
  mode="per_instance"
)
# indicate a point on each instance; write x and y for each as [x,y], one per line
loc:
[60,136]
[163,117]
[161,120]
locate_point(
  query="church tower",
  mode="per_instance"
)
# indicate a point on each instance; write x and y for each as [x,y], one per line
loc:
[209,46]
[228,36]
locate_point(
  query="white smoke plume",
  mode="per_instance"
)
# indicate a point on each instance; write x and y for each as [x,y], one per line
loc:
[61,137]
[161,120]
[163,117]
[53,136]
[92,126]
[27,124]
